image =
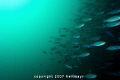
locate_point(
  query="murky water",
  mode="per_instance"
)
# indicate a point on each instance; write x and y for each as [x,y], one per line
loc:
[35,38]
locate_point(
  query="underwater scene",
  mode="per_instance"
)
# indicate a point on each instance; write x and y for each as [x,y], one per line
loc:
[59,39]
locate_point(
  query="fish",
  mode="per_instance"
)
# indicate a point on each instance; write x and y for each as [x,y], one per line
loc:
[78,60]
[112,24]
[54,48]
[74,42]
[109,34]
[86,46]
[113,73]
[63,45]
[76,36]
[59,62]
[95,38]
[74,56]
[50,41]
[114,11]
[51,37]
[89,71]
[112,4]
[67,58]
[111,48]
[115,47]
[44,52]
[48,72]
[84,54]
[58,39]
[99,13]
[99,43]
[64,54]
[87,19]
[90,76]
[76,66]
[108,63]
[112,19]
[76,47]
[68,66]
[64,28]
[59,30]
[58,52]
[79,26]
[63,35]
[52,59]
[56,42]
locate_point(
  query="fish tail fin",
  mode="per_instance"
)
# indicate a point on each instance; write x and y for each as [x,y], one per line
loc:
[116,47]
[78,59]
[103,25]
[105,49]
[104,20]
[109,33]
[91,45]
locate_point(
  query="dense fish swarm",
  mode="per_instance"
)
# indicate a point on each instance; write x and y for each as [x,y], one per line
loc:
[77,42]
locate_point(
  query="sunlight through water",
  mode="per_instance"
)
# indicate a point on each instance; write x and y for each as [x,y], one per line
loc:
[12,4]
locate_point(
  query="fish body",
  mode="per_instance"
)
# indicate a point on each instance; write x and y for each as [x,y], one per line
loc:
[110,34]
[87,19]
[65,54]
[112,19]
[108,63]
[76,47]
[54,48]
[112,24]
[114,11]
[76,36]
[79,26]
[99,13]
[78,60]
[116,47]
[84,54]
[74,56]
[86,46]
[63,35]
[57,52]
[90,76]
[56,42]
[76,66]
[94,38]
[68,66]
[113,4]
[44,52]
[63,45]
[74,42]
[99,43]
[113,73]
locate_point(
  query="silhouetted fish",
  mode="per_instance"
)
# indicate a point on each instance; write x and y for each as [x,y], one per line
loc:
[109,34]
